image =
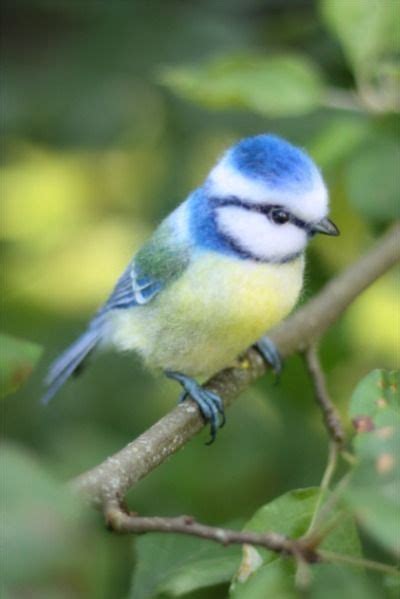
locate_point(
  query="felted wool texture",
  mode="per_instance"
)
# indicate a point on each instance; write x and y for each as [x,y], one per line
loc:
[216,309]
[266,169]
[213,279]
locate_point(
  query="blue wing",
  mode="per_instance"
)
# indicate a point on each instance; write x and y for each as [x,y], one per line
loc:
[69,361]
[132,289]
[159,262]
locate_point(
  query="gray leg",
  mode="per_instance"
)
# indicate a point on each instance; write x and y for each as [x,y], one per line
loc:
[269,352]
[209,403]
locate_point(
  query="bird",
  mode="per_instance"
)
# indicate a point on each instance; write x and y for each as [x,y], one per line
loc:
[220,270]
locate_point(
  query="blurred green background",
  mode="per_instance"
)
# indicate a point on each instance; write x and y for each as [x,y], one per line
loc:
[111,113]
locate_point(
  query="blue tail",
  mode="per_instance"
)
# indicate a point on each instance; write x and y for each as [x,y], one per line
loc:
[68,362]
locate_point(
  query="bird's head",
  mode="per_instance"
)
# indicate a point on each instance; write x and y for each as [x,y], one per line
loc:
[268,198]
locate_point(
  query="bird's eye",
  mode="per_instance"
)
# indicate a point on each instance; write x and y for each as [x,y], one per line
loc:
[279,216]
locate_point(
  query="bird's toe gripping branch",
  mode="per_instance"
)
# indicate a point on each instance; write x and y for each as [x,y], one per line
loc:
[271,355]
[209,403]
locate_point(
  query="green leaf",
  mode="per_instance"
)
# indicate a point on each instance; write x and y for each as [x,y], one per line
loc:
[375,393]
[392,586]
[18,357]
[273,579]
[44,524]
[286,85]
[338,140]
[367,29]
[331,581]
[328,581]
[201,573]
[174,565]
[373,179]
[289,515]
[373,491]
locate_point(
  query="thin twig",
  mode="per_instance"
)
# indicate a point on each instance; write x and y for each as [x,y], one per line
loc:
[322,525]
[121,522]
[343,100]
[326,480]
[303,576]
[112,479]
[330,556]
[348,457]
[303,551]
[329,412]
[333,426]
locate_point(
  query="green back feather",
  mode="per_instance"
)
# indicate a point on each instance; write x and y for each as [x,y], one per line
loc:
[163,257]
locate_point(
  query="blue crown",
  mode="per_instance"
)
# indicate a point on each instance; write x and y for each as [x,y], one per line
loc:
[273,160]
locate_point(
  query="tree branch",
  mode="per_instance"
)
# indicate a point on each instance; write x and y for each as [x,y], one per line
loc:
[335,431]
[331,417]
[111,480]
[303,548]
[121,522]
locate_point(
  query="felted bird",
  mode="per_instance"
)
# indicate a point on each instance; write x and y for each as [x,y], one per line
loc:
[223,268]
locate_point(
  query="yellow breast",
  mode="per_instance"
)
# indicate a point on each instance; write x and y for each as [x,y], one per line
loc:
[217,309]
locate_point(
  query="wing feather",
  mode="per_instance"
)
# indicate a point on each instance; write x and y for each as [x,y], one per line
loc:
[161,260]
[158,262]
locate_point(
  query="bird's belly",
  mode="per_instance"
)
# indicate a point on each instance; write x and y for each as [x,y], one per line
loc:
[217,309]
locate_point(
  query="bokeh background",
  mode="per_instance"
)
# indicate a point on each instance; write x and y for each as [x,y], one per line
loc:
[112,112]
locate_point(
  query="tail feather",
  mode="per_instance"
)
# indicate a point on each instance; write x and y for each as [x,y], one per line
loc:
[66,364]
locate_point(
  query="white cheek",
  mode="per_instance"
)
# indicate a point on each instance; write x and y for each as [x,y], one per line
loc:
[256,234]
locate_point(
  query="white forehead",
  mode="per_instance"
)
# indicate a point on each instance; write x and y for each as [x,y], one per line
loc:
[310,204]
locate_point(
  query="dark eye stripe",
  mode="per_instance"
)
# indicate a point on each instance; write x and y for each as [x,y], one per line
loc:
[233,201]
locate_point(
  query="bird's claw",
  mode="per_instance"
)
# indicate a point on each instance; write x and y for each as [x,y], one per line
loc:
[208,402]
[271,355]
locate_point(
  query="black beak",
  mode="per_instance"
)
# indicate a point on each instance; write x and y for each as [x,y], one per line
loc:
[325,226]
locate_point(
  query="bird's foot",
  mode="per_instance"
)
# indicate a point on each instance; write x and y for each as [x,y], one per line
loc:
[209,403]
[270,353]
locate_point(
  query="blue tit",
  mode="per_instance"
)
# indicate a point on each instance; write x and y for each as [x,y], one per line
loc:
[223,268]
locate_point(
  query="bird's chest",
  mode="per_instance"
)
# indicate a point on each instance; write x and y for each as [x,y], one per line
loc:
[220,306]
[221,292]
